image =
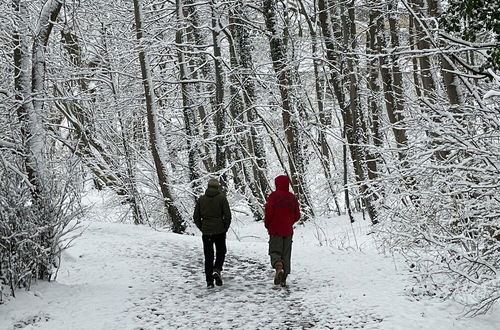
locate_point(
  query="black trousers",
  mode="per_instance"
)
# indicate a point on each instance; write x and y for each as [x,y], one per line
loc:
[219,240]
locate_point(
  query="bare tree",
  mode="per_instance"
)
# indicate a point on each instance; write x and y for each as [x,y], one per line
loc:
[188,107]
[284,74]
[178,225]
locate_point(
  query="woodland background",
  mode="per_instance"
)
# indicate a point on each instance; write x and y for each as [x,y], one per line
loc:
[390,108]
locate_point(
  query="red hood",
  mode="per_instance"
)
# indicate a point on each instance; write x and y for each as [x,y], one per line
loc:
[282,183]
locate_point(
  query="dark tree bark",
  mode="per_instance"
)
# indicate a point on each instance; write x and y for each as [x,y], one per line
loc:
[284,75]
[254,141]
[178,225]
[324,120]
[198,60]
[423,43]
[374,48]
[30,88]
[243,174]
[187,104]
[429,85]
[393,88]
[219,111]
[450,79]
[93,153]
[30,94]
[351,113]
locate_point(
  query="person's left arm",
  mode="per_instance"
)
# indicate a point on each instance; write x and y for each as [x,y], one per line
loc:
[197,215]
[269,211]
[226,213]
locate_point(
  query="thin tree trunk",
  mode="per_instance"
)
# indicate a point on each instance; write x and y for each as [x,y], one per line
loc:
[254,141]
[351,113]
[285,76]
[393,89]
[200,60]
[30,93]
[133,197]
[428,82]
[332,31]
[450,79]
[256,200]
[30,88]
[236,107]
[414,61]
[373,48]
[236,110]
[187,105]
[324,122]
[219,111]
[345,177]
[358,129]
[178,225]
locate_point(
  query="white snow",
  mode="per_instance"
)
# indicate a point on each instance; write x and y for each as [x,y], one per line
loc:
[491,93]
[120,276]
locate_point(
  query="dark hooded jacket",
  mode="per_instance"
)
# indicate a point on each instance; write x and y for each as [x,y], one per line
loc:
[282,209]
[211,213]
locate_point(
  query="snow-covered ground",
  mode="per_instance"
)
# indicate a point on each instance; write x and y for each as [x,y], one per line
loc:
[119,276]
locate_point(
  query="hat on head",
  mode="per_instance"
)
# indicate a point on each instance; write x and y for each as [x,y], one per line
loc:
[213,183]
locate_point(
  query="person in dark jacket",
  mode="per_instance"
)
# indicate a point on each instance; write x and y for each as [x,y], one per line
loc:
[281,212]
[212,216]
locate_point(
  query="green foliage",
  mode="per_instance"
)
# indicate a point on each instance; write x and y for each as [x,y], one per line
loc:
[475,21]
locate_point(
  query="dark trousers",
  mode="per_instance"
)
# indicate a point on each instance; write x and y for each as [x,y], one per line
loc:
[280,249]
[219,240]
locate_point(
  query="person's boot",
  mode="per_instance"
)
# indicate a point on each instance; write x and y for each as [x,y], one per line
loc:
[210,285]
[283,280]
[278,266]
[217,277]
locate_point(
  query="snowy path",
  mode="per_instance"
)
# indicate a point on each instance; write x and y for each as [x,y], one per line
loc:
[247,300]
[127,277]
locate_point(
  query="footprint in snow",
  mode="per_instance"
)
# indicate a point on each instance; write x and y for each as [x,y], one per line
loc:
[178,298]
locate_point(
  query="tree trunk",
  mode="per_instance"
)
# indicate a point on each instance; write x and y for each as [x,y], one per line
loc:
[351,113]
[373,48]
[285,76]
[129,182]
[200,60]
[219,111]
[422,41]
[450,79]
[30,89]
[187,105]
[414,61]
[356,124]
[30,93]
[256,200]
[393,89]
[254,141]
[429,85]
[323,116]
[178,225]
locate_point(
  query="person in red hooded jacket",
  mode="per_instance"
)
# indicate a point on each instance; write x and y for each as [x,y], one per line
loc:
[281,212]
